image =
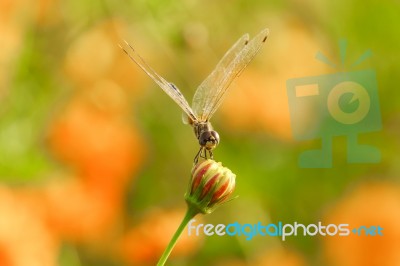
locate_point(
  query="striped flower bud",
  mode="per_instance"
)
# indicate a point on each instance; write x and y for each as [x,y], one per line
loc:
[210,185]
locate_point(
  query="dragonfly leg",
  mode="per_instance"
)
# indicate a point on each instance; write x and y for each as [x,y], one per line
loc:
[202,153]
[196,158]
[205,154]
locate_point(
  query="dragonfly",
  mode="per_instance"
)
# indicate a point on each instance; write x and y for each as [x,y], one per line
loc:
[211,92]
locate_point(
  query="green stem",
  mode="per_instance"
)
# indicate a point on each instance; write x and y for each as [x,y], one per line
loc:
[190,213]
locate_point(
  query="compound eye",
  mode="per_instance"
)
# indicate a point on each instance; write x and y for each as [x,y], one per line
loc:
[209,139]
[216,136]
[204,137]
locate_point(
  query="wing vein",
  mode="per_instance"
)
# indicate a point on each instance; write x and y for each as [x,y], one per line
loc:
[170,89]
[211,92]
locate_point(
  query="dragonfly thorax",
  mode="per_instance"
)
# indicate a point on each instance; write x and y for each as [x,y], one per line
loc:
[208,138]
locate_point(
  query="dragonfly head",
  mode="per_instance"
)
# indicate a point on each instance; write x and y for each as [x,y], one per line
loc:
[209,139]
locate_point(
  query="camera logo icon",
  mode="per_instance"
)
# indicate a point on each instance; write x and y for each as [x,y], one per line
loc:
[358,93]
[339,104]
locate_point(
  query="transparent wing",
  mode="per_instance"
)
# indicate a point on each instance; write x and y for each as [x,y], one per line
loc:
[166,86]
[204,92]
[210,93]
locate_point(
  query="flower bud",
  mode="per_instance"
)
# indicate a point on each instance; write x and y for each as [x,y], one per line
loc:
[210,185]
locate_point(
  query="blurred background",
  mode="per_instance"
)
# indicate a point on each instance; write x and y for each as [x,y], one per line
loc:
[94,158]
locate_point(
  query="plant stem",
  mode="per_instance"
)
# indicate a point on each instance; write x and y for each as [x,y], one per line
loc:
[190,213]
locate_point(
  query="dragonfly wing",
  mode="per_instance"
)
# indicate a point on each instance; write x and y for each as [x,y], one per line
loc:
[211,91]
[168,87]
[204,91]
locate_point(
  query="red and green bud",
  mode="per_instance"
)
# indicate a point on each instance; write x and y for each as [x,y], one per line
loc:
[211,184]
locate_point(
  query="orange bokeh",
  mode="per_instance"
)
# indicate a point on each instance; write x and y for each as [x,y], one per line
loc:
[85,66]
[371,204]
[145,242]
[93,137]
[25,238]
[280,256]
[79,212]
[101,147]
